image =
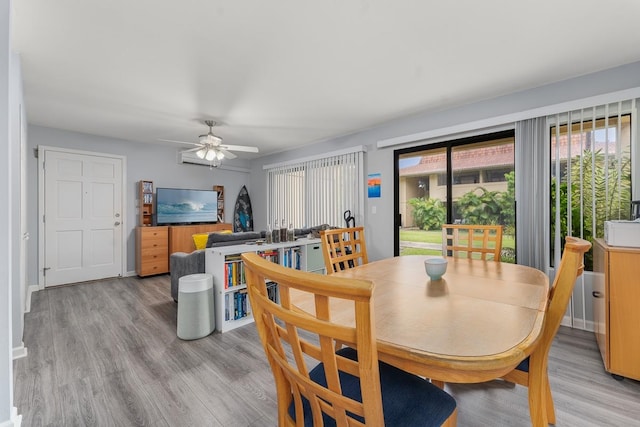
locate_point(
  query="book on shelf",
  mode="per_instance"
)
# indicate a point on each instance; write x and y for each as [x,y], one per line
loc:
[291,258]
[270,255]
[272,291]
[236,305]
[233,274]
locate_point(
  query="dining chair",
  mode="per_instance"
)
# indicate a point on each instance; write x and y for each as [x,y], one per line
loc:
[534,368]
[485,240]
[343,248]
[318,386]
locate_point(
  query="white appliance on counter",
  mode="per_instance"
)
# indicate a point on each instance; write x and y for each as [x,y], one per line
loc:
[622,233]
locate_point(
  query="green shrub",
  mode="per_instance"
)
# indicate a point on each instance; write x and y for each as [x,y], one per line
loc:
[428,214]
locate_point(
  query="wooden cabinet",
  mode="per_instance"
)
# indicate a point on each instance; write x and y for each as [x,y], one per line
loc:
[155,244]
[232,308]
[152,250]
[616,307]
[181,236]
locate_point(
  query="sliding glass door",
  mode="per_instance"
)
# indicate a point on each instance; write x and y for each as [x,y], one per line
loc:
[469,181]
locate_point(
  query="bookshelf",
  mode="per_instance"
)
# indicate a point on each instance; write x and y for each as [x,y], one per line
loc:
[145,189]
[231,301]
[220,190]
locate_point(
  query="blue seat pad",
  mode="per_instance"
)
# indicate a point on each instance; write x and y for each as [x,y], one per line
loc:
[407,400]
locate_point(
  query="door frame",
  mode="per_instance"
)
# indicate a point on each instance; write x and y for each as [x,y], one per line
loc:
[448,143]
[42,149]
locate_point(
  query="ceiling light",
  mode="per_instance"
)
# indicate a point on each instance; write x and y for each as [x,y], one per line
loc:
[219,155]
[201,152]
[211,154]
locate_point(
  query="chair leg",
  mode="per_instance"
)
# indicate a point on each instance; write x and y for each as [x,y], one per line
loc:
[452,421]
[551,411]
[439,384]
[537,391]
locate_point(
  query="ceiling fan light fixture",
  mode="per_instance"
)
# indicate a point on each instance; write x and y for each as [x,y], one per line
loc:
[201,153]
[211,154]
[219,155]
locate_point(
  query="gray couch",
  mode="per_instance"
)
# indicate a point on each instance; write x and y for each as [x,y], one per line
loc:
[182,263]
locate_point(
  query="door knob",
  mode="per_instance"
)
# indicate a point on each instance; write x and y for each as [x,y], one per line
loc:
[117,223]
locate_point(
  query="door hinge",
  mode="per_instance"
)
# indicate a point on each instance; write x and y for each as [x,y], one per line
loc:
[43,218]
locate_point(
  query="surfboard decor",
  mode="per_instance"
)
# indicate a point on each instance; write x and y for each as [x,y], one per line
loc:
[242,214]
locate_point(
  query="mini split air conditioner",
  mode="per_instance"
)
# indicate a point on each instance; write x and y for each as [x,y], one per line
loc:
[190,157]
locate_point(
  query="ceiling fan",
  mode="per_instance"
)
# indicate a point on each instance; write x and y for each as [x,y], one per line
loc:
[211,148]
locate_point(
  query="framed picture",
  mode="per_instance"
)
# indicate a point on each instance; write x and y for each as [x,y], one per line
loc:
[373,185]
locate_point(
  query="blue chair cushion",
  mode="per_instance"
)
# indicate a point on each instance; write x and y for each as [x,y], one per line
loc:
[524,365]
[407,400]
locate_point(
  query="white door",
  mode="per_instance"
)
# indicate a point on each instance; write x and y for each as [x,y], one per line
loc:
[82,217]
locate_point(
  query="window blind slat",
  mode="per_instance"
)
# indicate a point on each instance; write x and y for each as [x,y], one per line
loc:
[316,191]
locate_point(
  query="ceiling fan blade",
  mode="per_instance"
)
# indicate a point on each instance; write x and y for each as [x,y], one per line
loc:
[244,148]
[227,154]
[191,150]
[179,142]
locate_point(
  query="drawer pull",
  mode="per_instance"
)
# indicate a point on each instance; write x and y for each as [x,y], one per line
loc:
[596,294]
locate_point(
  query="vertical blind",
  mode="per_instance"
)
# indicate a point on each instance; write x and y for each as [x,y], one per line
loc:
[590,180]
[318,191]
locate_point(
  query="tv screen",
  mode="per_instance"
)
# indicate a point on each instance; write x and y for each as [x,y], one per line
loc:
[180,206]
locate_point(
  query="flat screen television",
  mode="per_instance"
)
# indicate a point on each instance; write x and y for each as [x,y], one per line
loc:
[181,206]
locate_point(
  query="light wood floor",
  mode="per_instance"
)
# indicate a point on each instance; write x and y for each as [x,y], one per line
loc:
[106,353]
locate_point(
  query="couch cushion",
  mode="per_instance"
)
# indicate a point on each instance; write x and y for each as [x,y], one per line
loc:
[220,239]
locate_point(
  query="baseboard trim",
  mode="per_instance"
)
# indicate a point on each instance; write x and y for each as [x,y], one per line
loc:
[578,324]
[15,421]
[19,352]
[30,290]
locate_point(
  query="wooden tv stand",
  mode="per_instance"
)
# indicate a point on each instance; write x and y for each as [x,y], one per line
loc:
[180,236]
[155,244]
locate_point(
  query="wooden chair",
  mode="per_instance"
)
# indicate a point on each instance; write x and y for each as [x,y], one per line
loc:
[485,240]
[534,368]
[343,248]
[344,388]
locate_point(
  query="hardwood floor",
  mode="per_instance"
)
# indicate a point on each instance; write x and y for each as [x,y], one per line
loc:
[106,353]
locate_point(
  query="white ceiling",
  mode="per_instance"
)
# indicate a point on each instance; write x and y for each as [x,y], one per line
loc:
[284,73]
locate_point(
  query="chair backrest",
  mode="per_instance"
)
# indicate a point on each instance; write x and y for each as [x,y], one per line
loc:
[571,267]
[343,248]
[294,338]
[485,240]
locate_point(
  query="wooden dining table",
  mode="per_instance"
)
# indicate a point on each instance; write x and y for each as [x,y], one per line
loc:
[475,324]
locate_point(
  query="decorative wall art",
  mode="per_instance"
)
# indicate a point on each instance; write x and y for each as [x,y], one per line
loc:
[373,185]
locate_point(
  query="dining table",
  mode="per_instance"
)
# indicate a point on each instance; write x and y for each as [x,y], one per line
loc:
[475,324]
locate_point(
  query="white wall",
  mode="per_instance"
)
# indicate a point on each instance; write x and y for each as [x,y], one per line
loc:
[18,285]
[380,231]
[144,162]
[6,222]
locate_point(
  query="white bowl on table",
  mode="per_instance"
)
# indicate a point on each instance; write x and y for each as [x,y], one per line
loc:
[435,267]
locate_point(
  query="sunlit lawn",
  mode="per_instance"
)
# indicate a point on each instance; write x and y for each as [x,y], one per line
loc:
[435,236]
[418,251]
